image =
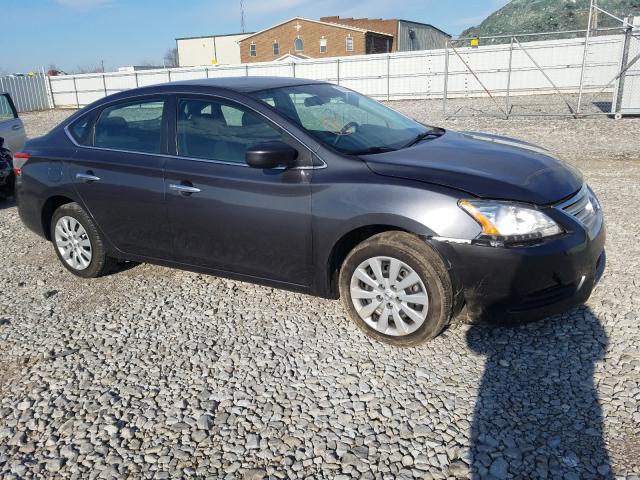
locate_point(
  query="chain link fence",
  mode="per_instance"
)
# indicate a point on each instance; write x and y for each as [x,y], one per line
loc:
[574,73]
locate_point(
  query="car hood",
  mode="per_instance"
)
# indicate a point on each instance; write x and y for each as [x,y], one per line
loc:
[486,166]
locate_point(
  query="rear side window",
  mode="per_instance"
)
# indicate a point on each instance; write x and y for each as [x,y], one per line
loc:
[135,127]
[6,110]
[80,130]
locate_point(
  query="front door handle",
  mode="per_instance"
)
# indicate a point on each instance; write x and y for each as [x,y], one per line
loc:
[16,127]
[87,177]
[185,189]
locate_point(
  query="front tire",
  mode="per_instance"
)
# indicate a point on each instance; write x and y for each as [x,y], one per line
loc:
[396,289]
[77,242]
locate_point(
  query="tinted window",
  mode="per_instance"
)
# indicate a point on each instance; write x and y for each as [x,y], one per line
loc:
[80,130]
[135,127]
[6,112]
[219,131]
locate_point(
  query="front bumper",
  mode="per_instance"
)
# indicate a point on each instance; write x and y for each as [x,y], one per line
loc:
[519,284]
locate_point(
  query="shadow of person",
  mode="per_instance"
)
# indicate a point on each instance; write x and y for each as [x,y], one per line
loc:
[537,413]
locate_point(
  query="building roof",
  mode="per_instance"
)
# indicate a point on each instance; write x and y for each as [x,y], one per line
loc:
[216,36]
[336,25]
[426,25]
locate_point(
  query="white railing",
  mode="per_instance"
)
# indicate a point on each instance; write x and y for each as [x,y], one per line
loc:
[406,75]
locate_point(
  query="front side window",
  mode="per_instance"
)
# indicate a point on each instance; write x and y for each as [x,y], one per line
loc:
[252,50]
[298,45]
[323,45]
[220,131]
[6,111]
[276,48]
[135,127]
[343,119]
[349,44]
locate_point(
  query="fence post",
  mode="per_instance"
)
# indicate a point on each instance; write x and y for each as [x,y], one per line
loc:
[75,89]
[584,57]
[508,100]
[338,69]
[446,78]
[388,77]
[104,85]
[169,74]
[246,70]
[53,98]
[293,69]
[135,75]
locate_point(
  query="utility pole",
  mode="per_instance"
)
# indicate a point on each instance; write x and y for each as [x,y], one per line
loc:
[242,19]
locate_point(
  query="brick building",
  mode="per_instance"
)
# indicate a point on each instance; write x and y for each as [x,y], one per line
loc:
[407,35]
[337,37]
[306,38]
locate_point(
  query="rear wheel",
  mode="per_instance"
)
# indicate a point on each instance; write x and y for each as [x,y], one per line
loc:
[77,242]
[396,289]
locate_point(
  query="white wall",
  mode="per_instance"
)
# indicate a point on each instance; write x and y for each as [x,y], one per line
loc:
[223,50]
[404,75]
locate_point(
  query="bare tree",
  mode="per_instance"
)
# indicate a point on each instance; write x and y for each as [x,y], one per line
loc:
[89,69]
[171,58]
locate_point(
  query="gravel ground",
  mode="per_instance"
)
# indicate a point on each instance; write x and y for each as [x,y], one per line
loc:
[158,373]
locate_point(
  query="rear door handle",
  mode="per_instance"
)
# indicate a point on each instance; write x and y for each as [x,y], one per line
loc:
[87,177]
[183,188]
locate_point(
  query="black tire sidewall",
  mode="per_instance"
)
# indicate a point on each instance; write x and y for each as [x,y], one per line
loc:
[99,260]
[429,271]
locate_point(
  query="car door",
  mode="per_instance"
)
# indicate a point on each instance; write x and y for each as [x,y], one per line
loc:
[117,172]
[11,128]
[226,215]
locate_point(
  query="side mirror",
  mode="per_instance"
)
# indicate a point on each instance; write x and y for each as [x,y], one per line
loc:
[270,155]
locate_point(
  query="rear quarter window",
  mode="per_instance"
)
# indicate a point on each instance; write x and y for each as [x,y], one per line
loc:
[80,130]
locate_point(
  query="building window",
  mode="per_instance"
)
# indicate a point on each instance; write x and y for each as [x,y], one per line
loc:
[298,45]
[323,45]
[349,44]
[276,48]
[252,50]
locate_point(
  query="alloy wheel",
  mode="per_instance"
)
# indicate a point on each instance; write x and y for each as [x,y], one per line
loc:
[389,296]
[73,243]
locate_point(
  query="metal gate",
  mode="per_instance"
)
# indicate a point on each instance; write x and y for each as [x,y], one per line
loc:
[627,94]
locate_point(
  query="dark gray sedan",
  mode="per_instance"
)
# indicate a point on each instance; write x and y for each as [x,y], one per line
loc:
[312,187]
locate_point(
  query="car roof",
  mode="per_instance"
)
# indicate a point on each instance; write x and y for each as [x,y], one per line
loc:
[245,84]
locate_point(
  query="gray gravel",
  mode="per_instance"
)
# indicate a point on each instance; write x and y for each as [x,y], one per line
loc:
[158,373]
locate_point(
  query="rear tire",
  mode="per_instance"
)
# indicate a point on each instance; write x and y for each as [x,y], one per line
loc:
[396,289]
[77,242]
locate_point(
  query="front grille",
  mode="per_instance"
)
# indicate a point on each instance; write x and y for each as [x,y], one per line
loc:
[585,208]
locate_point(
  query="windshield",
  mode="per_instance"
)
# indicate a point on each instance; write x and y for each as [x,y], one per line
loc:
[343,119]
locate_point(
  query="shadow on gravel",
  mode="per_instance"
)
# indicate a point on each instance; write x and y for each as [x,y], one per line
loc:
[537,413]
[8,203]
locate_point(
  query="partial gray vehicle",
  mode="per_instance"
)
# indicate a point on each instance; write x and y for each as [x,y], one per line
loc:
[11,127]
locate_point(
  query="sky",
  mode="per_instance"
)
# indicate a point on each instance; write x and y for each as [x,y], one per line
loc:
[72,34]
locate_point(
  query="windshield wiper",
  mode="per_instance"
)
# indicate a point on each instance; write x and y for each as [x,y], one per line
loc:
[434,132]
[371,151]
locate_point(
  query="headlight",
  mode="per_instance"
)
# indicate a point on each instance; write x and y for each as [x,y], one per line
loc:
[503,222]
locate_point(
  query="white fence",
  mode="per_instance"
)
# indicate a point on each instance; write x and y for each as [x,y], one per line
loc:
[28,93]
[406,75]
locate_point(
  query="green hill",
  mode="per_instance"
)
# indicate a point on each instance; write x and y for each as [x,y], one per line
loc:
[531,16]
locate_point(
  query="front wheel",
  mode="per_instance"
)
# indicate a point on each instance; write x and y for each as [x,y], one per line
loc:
[78,243]
[396,289]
